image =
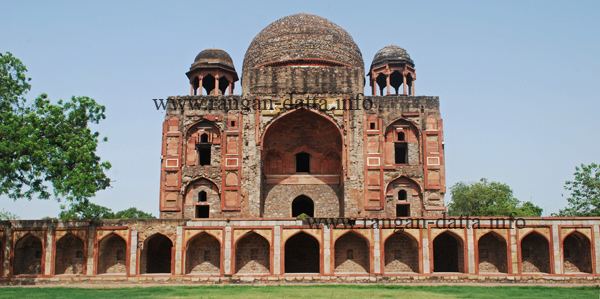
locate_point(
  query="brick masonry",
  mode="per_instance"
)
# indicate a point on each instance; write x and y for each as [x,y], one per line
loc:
[229,177]
[256,254]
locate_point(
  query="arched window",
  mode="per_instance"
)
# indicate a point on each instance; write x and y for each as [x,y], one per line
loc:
[202,196]
[204,138]
[401,136]
[303,205]
[402,195]
[303,162]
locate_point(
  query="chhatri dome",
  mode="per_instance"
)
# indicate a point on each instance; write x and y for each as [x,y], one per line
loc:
[391,54]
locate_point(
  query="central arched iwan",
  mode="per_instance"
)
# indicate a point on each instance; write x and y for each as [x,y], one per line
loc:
[302,155]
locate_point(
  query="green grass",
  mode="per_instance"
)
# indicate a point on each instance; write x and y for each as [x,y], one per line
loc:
[312,292]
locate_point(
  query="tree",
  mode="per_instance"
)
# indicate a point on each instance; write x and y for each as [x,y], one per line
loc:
[486,198]
[47,148]
[6,215]
[132,213]
[86,210]
[584,192]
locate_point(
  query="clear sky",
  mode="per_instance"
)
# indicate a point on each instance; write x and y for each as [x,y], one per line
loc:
[516,79]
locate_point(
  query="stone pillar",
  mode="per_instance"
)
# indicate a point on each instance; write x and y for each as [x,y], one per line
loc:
[425,251]
[91,237]
[230,88]
[216,90]
[326,250]
[470,251]
[388,86]
[405,88]
[373,86]
[596,242]
[412,87]
[199,86]
[49,250]
[277,250]
[514,256]
[191,89]
[556,249]
[7,244]
[227,258]
[178,250]
[133,265]
[376,251]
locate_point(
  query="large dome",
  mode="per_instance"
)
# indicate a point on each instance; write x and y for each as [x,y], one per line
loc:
[303,39]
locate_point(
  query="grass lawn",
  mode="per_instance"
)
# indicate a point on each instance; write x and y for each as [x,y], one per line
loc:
[317,291]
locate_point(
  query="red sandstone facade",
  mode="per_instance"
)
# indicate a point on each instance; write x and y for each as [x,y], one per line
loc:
[234,183]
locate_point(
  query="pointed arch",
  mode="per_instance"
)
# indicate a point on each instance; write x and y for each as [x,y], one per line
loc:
[405,197]
[157,254]
[448,253]
[491,253]
[70,257]
[252,254]
[203,255]
[302,254]
[202,198]
[112,255]
[28,253]
[301,130]
[577,253]
[199,140]
[401,253]
[535,253]
[303,205]
[352,254]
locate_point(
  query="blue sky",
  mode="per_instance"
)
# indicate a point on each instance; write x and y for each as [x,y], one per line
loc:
[516,79]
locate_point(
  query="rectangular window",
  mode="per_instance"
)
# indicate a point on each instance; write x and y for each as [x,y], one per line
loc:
[202,211]
[402,210]
[303,162]
[204,154]
[401,152]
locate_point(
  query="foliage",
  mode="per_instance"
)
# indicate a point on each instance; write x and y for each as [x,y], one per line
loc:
[486,198]
[132,213]
[45,143]
[584,192]
[6,215]
[86,210]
